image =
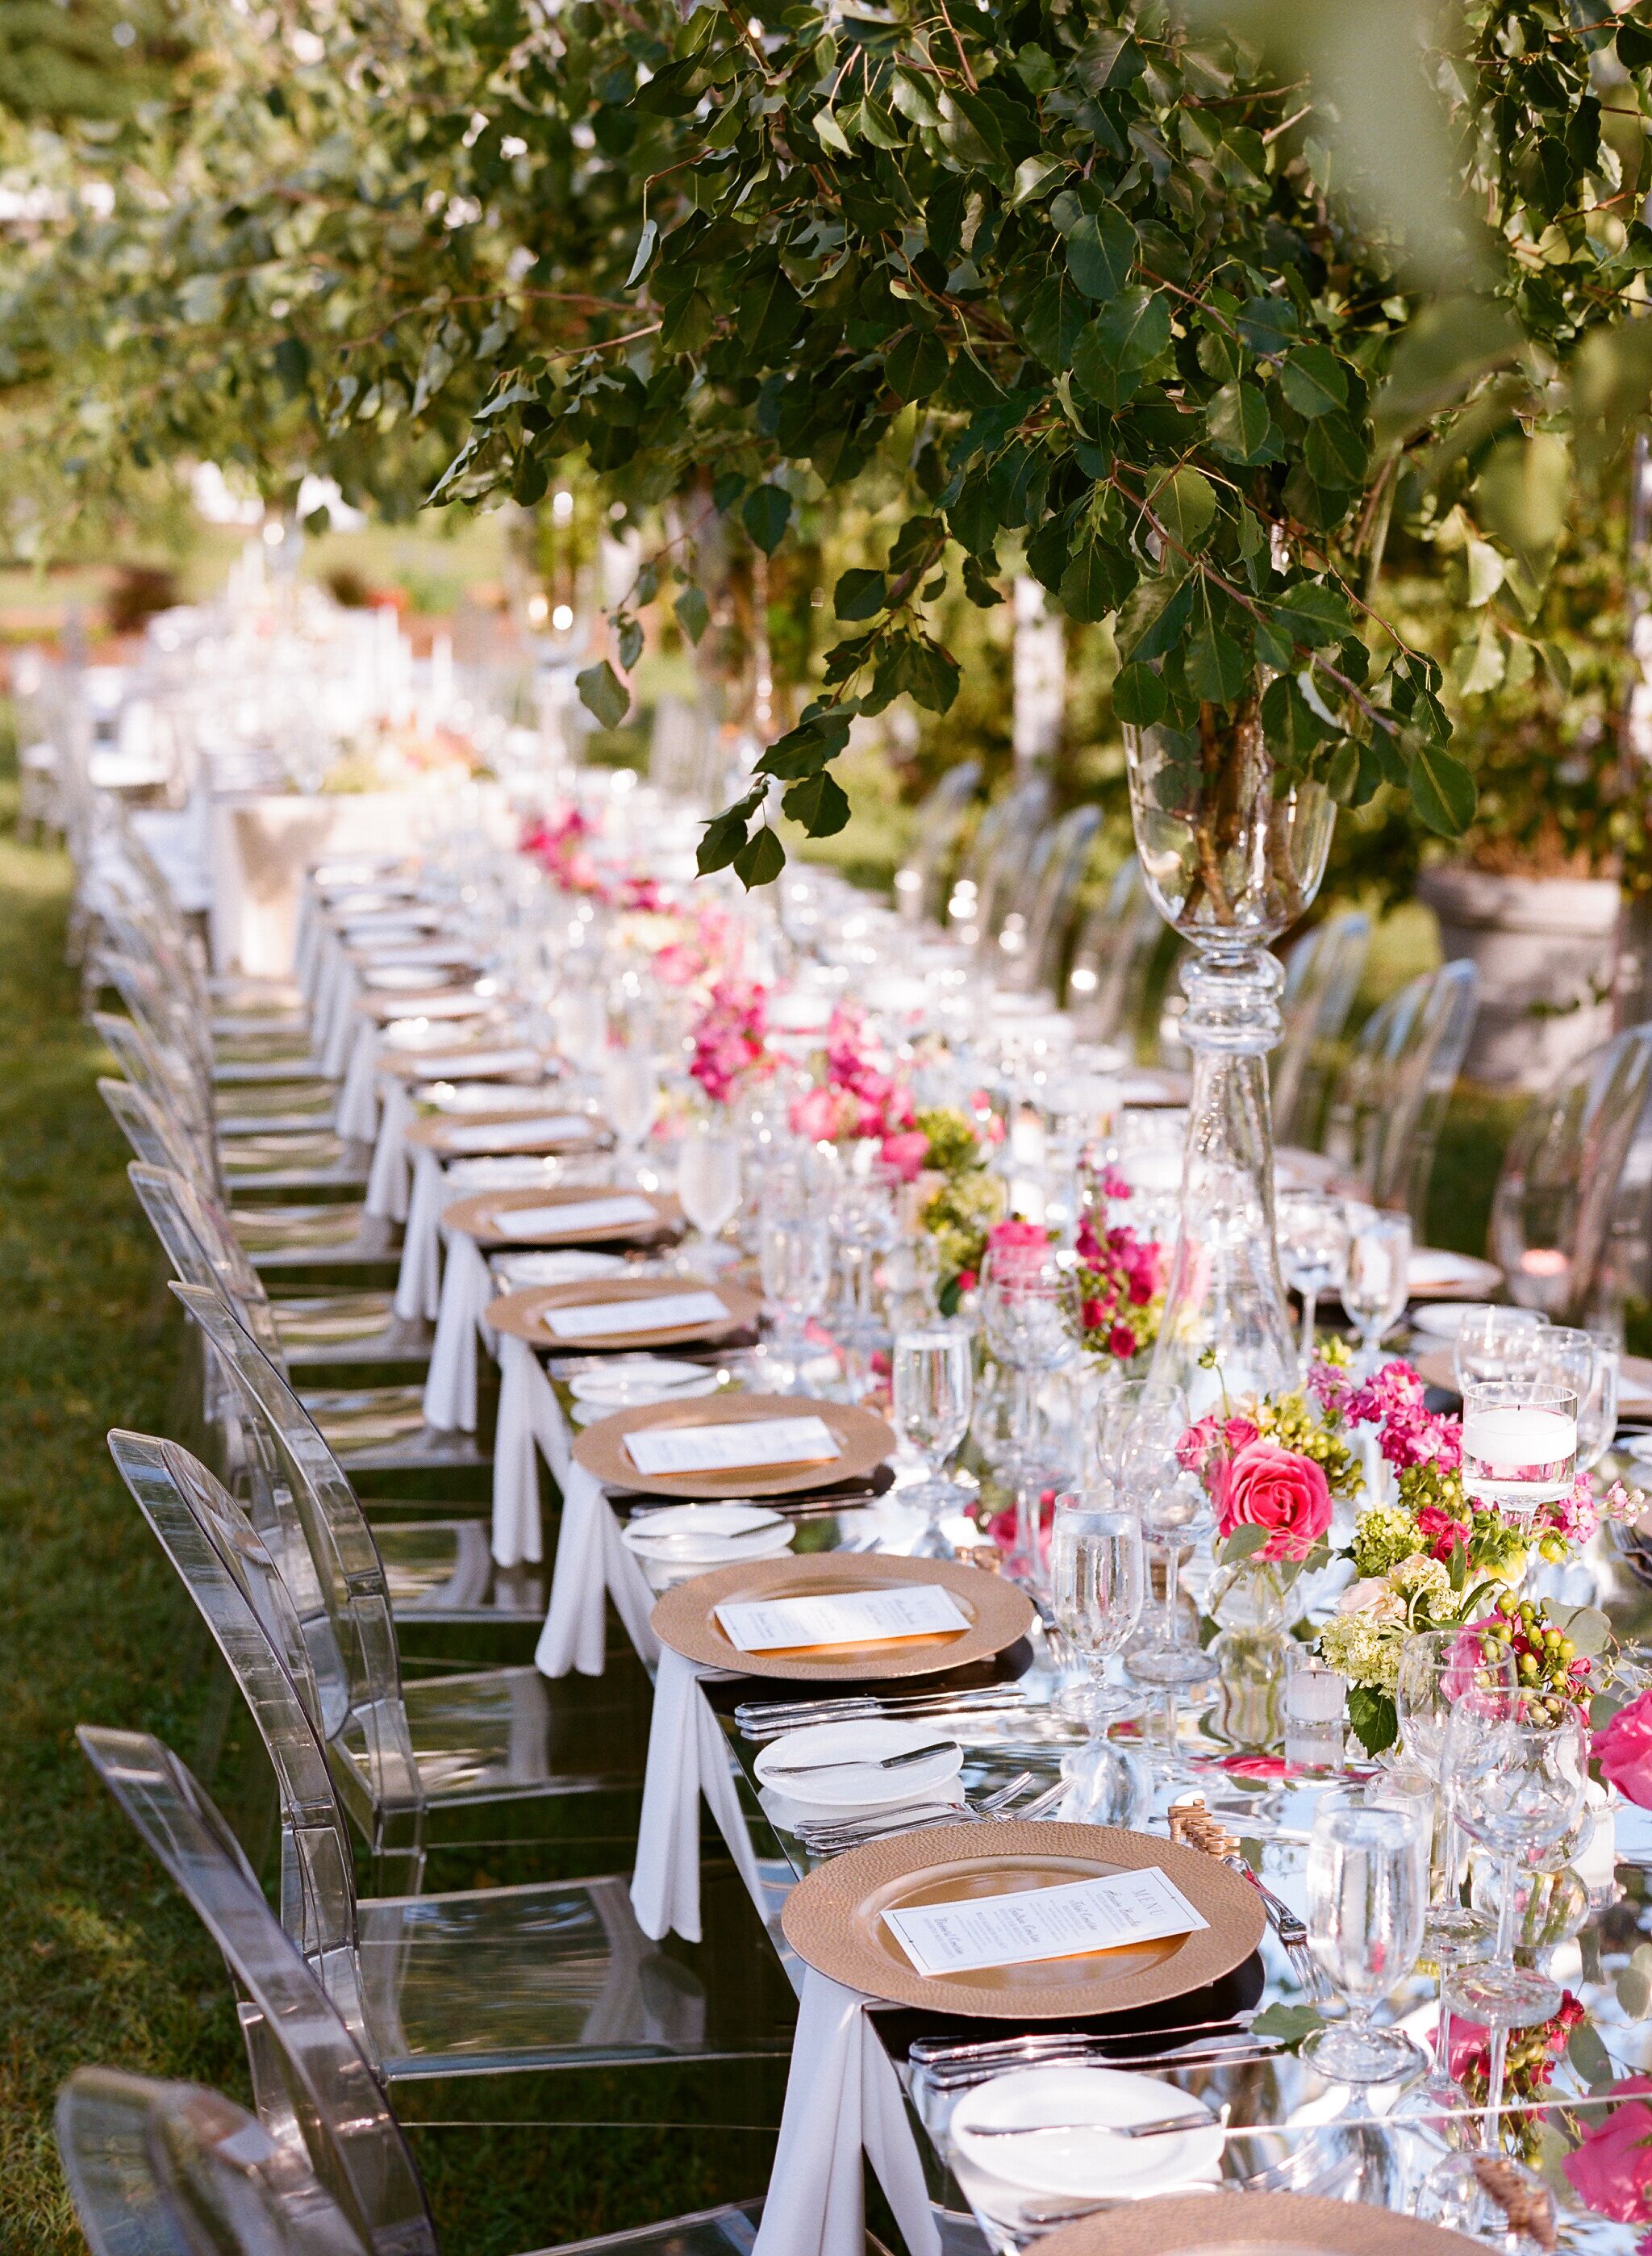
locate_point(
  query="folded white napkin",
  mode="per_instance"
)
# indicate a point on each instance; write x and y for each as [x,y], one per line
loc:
[686,1756]
[591,1564]
[843,2099]
[467,1288]
[387,1181]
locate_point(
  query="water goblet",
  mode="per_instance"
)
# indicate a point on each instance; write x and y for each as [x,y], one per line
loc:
[794,1259]
[1139,1450]
[1520,1446]
[630,1097]
[1374,1290]
[1029,1312]
[932,1392]
[1515,1768]
[708,1186]
[1496,1342]
[1098,1585]
[1589,1362]
[1367,1893]
[1313,1250]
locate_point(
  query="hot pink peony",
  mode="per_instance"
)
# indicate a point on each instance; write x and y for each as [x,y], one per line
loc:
[1265,1486]
[908,1153]
[1623,1749]
[1612,2170]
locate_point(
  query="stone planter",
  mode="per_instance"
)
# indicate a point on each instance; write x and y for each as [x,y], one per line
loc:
[1544,948]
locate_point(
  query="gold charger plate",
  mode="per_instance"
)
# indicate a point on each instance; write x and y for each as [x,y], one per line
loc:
[478,1218]
[833,1919]
[1176,2224]
[437,1134]
[685,1617]
[445,1064]
[522,1315]
[424,1003]
[863,1440]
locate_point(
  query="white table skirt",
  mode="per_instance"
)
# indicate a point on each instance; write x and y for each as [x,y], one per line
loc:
[686,1757]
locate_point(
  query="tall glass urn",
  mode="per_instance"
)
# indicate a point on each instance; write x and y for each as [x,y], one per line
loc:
[1233,853]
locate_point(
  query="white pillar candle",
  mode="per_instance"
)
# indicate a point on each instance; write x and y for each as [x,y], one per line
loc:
[1506,1440]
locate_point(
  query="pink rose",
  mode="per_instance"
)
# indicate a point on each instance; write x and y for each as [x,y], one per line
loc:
[1623,1749]
[1266,1486]
[906,1153]
[1612,2170]
[1017,1251]
[815,1115]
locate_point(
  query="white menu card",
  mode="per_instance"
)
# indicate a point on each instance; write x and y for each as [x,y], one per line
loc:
[509,1135]
[666,1312]
[1030,1924]
[481,1065]
[577,1214]
[844,1618]
[746,1447]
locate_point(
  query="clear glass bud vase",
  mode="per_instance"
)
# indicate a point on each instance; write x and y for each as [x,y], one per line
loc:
[1232,854]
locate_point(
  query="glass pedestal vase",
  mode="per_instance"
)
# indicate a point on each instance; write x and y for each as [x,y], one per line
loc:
[1233,853]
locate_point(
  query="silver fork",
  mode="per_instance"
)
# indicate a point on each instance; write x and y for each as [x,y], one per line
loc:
[832,1839]
[1292,1934]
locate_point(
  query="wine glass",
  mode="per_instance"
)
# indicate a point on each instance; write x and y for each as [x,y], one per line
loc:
[708,1185]
[1520,1446]
[1139,1450]
[1441,1670]
[863,1218]
[1029,1311]
[1313,1247]
[1494,1342]
[1374,1290]
[1588,1363]
[1367,1891]
[794,1259]
[1515,1768]
[630,1097]
[1098,1585]
[932,1392]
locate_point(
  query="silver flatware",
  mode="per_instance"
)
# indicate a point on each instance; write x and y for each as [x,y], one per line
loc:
[1194,2119]
[833,1835]
[1248,2053]
[1289,1927]
[944,2051]
[767,1719]
[860,1762]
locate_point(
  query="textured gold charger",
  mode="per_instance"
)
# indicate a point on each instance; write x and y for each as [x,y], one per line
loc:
[437,1134]
[685,1617]
[478,1218]
[522,1315]
[863,1440]
[1176,2224]
[433,1003]
[833,1919]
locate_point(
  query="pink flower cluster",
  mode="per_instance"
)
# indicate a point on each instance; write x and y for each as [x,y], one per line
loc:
[1611,2171]
[1255,1483]
[1409,1433]
[728,1050]
[1623,1749]
[1209,1440]
[556,842]
[859,1096]
[1117,1271]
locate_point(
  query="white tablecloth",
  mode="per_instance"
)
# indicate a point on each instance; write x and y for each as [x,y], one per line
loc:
[261,843]
[686,1757]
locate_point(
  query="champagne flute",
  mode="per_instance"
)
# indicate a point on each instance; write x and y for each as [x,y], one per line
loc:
[932,1392]
[1374,1291]
[1098,1585]
[708,1185]
[1367,1894]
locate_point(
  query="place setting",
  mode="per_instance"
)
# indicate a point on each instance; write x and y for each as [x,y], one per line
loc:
[571,1216]
[506,1129]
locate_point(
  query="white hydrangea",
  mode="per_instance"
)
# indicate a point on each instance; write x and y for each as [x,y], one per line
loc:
[1422,1577]
[1365,1651]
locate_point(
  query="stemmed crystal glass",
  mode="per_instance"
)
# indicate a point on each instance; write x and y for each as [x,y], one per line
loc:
[1138,1452]
[1496,1342]
[1515,1767]
[1520,1446]
[1589,1363]
[1374,1290]
[932,1392]
[630,1095]
[708,1185]
[1440,1671]
[1029,1311]
[1368,1890]
[1098,1585]
[1313,1250]
[794,1259]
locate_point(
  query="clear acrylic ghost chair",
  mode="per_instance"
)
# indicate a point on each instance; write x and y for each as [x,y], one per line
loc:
[333,1238]
[1323,970]
[172,1020]
[317,1330]
[921,883]
[370,1429]
[1032,934]
[267,1040]
[435,1570]
[996,856]
[174,2169]
[1113,959]
[508,1992]
[492,1756]
[1569,1215]
[1388,1106]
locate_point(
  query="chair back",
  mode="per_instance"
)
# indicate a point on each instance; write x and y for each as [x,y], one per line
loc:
[1033,931]
[1390,1101]
[170,2169]
[997,855]
[939,822]
[142,1065]
[227,1570]
[315,2089]
[196,1238]
[1323,970]
[1562,1231]
[1113,959]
